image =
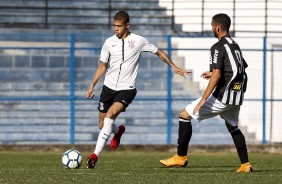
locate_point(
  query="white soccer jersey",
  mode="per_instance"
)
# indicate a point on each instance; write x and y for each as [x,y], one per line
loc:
[123,57]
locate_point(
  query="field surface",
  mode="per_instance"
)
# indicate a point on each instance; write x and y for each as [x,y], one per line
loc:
[137,167]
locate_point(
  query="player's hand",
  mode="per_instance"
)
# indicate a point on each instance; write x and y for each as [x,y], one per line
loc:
[206,75]
[181,72]
[90,93]
[200,104]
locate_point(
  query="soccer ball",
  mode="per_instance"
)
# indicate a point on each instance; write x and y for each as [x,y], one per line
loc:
[72,159]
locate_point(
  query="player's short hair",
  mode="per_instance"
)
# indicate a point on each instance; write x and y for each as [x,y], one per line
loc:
[122,16]
[223,21]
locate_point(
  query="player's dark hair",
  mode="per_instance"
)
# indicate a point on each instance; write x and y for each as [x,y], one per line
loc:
[122,16]
[223,21]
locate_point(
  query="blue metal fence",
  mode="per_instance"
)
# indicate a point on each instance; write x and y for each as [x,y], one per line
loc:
[72,98]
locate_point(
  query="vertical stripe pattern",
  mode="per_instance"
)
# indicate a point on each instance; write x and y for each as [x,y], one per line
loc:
[230,96]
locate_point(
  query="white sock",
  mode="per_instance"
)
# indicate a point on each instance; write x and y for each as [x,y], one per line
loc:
[104,135]
[115,129]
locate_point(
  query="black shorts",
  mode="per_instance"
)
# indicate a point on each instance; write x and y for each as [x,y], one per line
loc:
[109,96]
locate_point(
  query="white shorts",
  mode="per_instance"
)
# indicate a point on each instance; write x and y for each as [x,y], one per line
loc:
[214,107]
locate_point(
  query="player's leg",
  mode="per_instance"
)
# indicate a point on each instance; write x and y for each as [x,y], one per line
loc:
[185,129]
[124,97]
[184,135]
[184,132]
[106,101]
[231,121]
[108,109]
[93,158]
[101,123]
[240,144]
[101,119]
[105,132]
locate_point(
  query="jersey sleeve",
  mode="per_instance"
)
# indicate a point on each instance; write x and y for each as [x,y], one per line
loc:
[105,53]
[217,60]
[146,46]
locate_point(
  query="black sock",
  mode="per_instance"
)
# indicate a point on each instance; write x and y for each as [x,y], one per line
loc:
[184,136]
[240,143]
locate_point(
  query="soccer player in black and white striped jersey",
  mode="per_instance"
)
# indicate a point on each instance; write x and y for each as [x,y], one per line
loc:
[223,96]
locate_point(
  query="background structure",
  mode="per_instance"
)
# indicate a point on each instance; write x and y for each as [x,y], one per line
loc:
[49,50]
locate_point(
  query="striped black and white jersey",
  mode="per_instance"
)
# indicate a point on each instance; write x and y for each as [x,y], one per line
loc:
[226,56]
[123,56]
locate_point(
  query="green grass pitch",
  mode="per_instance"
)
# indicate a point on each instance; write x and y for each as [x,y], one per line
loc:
[129,167]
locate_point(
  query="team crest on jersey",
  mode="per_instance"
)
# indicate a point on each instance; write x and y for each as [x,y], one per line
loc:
[101,106]
[131,44]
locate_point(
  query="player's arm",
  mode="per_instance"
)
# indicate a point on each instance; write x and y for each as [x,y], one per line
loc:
[216,62]
[97,76]
[216,74]
[164,57]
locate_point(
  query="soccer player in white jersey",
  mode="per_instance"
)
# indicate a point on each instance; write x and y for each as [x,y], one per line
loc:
[122,53]
[223,95]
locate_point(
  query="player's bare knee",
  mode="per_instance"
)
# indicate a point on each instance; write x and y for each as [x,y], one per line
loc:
[184,114]
[112,114]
